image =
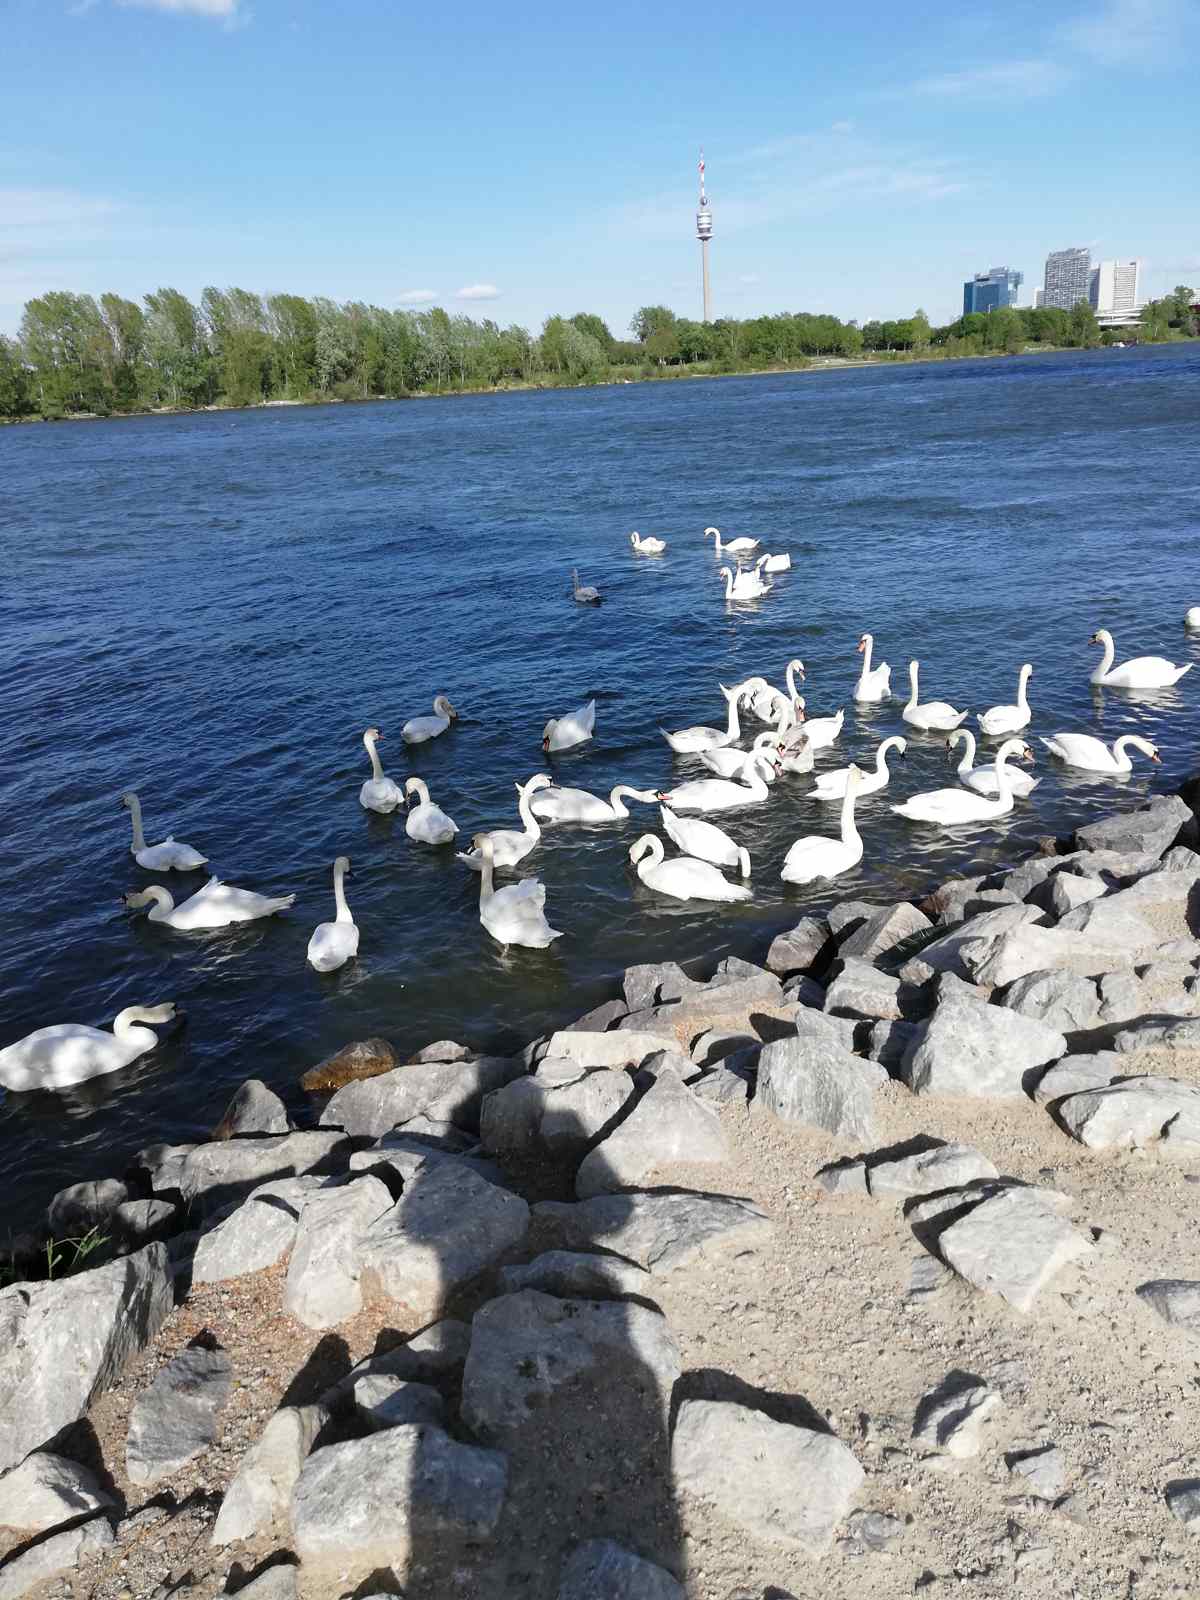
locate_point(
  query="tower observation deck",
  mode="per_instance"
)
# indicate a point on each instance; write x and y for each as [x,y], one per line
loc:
[704,228]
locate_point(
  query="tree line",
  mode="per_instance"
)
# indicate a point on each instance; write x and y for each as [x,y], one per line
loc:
[75,354]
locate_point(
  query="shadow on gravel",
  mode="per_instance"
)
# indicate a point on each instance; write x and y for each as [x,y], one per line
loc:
[327,1364]
[710,1383]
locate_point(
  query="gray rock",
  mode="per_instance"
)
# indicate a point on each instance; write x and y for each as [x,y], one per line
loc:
[732,969]
[872,1530]
[446,1090]
[276,1583]
[1115,922]
[256,1235]
[163,1165]
[1002,961]
[600,1570]
[437,1352]
[1074,1074]
[927,1276]
[59,1553]
[1183,1502]
[578,1113]
[1069,889]
[1044,1470]
[951,1416]
[950,1166]
[63,1343]
[944,954]
[447,1226]
[47,1490]
[786,1485]
[570,1273]
[1152,830]
[549,1071]
[620,1049]
[945,903]
[262,1486]
[346,1502]
[214,1175]
[1177,1301]
[142,1222]
[889,1041]
[848,915]
[845,1177]
[668,1125]
[175,1419]
[254,1109]
[805,991]
[643,984]
[1011,1244]
[722,1087]
[511,1117]
[600,1018]
[322,1287]
[386,1402]
[840,1033]
[84,1206]
[443,1050]
[861,990]
[661,1231]
[969,1048]
[824,1086]
[718,1043]
[526,1346]
[1065,1001]
[1158,1034]
[882,930]
[1136,1113]
[365,1058]
[428,1133]
[800,948]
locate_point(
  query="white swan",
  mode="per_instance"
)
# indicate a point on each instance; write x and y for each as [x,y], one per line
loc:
[705,841]
[816,857]
[983,779]
[759,695]
[1140,672]
[217,905]
[379,793]
[934,714]
[515,914]
[564,733]
[1191,617]
[796,753]
[728,763]
[821,732]
[1009,719]
[418,729]
[685,877]
[720,794]
[952,806]
[169,856]
[647,547]
[69,1052]
[832,785]
[774,563]
[1093,755]
[334,943]
[874,683]
[577,805]
[427,822]
[584,594]
[509,846]
[688,741]
[747,585]
[738,546]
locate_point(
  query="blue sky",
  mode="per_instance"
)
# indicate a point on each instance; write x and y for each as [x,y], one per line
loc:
[513,162]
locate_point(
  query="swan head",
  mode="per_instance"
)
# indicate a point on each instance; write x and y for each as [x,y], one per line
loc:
[540,780]
[548,732]
[443,708]
[864,641]
[643,847]
[715,532]
[129,799]
[372,736]
[1014,750]
[796,666]
[342,865]
[418,787]
[1101,636]
[634,538]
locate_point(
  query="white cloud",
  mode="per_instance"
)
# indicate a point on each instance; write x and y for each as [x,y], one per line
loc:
[416,297]
[223,10]
[1028,79]
[1133,32]
[478,291]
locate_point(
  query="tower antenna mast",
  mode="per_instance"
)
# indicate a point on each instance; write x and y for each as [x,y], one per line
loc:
[704,226]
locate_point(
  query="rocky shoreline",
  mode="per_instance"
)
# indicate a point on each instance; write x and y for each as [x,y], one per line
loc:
[872,1267]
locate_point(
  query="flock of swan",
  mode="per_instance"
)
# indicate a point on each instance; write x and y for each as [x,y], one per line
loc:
[514,914]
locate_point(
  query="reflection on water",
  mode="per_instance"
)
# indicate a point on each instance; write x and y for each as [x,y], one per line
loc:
[212,609]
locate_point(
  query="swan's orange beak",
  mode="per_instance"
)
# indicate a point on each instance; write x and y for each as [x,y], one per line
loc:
[1156,757]
[862,645]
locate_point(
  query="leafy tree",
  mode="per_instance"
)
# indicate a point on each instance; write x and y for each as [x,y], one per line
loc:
[1085,330]
[663,345]
[649,320]
[596,327]
[14,381]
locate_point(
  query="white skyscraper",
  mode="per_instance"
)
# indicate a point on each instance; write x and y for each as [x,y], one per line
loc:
[1068,274]
[1115,286]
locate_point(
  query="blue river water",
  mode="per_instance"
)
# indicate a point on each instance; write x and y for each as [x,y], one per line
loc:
[211,609]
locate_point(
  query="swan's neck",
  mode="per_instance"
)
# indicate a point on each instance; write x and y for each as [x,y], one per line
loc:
[734,727]
[866,661]
[968,761]
[912,680]
[486,880]
[881,766]
[620,809]
[135,816]
[728,579]
[532,826]
[163,903]
[1003,775]
[1106,660]
[850,834]
[376,765]
[1022,681]
[420,788]
[754,780]
[1123,745]
[785,714]
[791,680]
[126,1028]
[339,896]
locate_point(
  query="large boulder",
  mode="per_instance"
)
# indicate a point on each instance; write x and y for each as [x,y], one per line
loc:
[1074,1074]
[799,949]
[175,1419]
[262,1486]
[650,982]
[1177,1301]
[803,1080]
[576,1274]
[83,1206]
[948,1166]
[970,1048]
[576,1114]
[783,1484]
[63,1343]
[367,1500]
[47,1490]
[365,1058]
[599,1569]
[254,1109]
[256,1235]
[1151,830]
[661,1231]
[951,1416]
[215,1175]
[448,1091]
[62,1552]
[322,1287]
[1137,1113]
[945,954]
[1011,1244]
[668,1124]
[621,1048]
[447,1226]
[1064,1001]
[526,1346]
[882,931]
[1000,961]
[861,990]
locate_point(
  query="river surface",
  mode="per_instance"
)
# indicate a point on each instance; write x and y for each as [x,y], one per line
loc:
[211,609]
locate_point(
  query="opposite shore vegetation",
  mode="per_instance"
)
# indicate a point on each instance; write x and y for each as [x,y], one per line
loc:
[79,356]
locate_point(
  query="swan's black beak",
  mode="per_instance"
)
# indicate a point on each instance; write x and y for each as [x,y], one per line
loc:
[1156,757]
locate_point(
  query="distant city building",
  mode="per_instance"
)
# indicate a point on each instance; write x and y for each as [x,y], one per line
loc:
[1114,286]
[988,290]
[1039,297]
[1068,278]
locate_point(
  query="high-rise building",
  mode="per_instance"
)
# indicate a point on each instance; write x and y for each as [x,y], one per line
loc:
[1038,297]
[986,291]
[1068,278]
[1114,286]
[704,224]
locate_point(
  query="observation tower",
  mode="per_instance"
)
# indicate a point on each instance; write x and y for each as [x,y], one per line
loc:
[704,224]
